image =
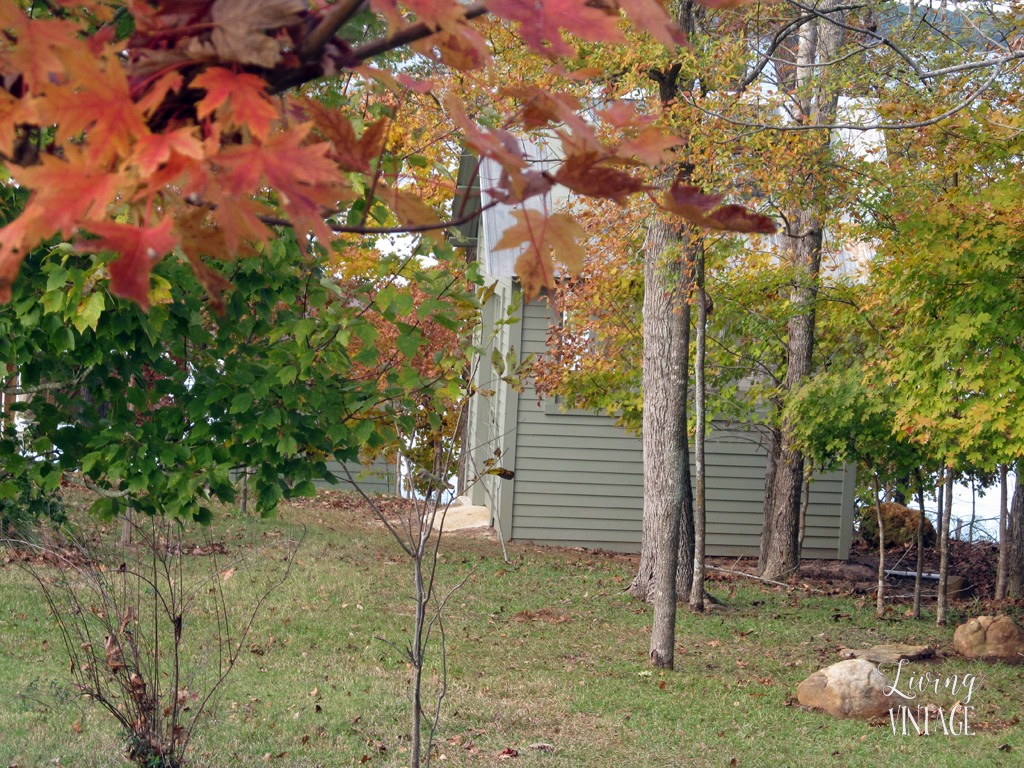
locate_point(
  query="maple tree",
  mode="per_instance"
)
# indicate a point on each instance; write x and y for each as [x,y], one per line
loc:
[782,145]
[151,407]
[163,108]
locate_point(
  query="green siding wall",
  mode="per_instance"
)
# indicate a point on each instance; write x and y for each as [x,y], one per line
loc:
[376,478]
[579,480]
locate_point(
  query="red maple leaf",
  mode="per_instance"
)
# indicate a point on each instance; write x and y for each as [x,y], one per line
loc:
[140,251]
[583,173]
[695,206]
[540,23]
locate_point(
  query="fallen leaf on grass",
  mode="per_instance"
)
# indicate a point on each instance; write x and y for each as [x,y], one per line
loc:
[76,726]
[225,575]
[507,753]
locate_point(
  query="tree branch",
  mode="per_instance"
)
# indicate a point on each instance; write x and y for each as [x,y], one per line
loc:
[275,221]
[50,386]
[971,98]
[408,35]
[332,21]
[86,483]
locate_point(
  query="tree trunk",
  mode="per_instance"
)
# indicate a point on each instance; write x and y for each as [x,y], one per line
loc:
[899,492]
[803,513]
[700,506]
[940,611]
[939,496]
[920,547]
[1001,565]
[779,537]
[1015,539]
[974,511]
[665,439]
[801,244]
[666,556]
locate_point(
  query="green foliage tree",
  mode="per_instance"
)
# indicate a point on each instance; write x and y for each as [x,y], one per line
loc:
[157,410]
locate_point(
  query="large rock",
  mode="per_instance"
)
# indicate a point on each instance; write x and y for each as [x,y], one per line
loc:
[990,637]
[900,525]
[888,653]
[852,688]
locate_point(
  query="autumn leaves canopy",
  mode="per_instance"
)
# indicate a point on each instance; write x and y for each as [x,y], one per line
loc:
[144,129]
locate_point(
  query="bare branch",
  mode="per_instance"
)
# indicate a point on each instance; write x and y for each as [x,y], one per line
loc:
[332,21]
[970,99]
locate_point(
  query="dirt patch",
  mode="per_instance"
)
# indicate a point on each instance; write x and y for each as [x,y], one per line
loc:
[328,504]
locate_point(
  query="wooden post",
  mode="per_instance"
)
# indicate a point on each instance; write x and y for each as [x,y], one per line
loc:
[245,491]
[126,527]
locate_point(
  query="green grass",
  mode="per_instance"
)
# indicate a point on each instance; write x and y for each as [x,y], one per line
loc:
[545,648]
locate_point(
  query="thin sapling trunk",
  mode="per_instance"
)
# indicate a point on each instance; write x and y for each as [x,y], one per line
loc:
[940,612]
[1001,565]
[920,548]
[700,508]
[880,599]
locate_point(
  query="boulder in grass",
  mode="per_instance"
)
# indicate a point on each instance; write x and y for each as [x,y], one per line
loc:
[849,689]
[994,638]
[900,525]
[890,654]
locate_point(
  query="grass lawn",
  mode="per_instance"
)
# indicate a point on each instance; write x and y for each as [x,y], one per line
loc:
[544,648]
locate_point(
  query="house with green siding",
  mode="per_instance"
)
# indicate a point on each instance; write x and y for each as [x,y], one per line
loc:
[577,477]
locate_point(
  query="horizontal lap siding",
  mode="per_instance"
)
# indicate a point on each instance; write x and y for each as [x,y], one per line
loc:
[579,479]
[377,478]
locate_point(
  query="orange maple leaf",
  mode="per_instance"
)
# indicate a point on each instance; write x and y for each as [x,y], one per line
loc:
[154,150]
[541,235]
[37,54]
[12,113]
[651,16]
[498,144]
[350,153]
[140,249]
[305,179]
[246,97]
[171,81]
[65,193]
[102,108]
